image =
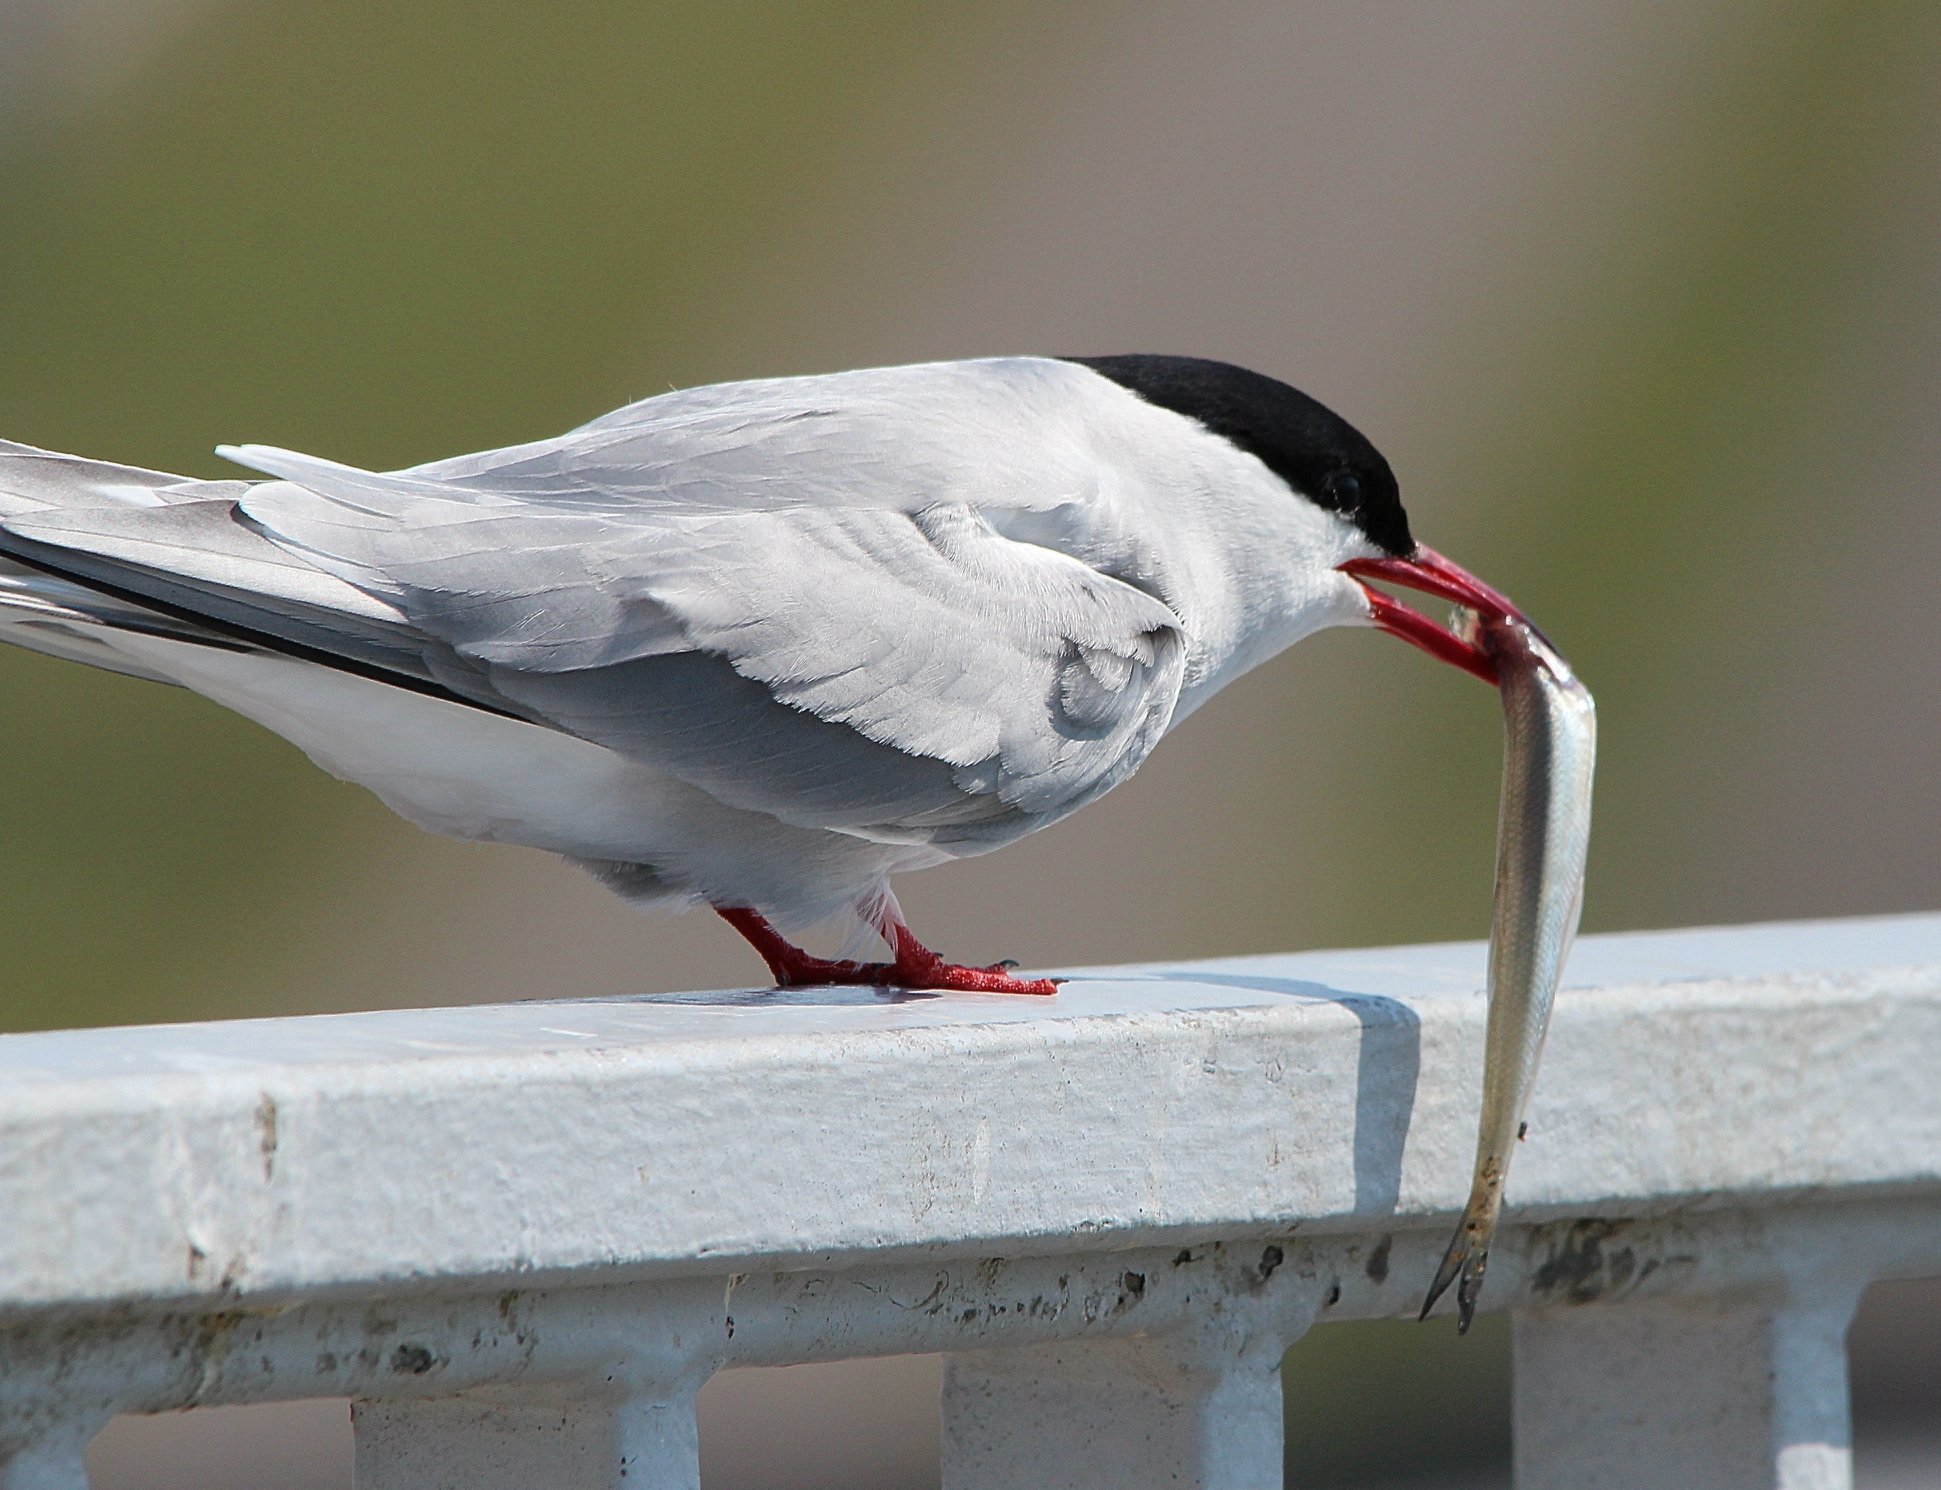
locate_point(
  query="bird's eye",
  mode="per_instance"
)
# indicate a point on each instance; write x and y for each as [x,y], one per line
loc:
[1346,487]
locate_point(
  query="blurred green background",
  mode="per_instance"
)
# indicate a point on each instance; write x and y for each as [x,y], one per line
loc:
[1640,300]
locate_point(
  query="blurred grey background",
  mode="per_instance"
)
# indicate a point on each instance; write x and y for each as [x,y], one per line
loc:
[1641,301]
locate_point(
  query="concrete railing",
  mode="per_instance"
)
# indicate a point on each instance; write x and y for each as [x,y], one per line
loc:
[519,1237]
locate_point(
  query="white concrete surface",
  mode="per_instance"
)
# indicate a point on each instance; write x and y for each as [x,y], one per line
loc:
[522,1236]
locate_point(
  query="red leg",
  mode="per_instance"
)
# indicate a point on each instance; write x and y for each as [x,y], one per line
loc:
[788,963]
[914,965]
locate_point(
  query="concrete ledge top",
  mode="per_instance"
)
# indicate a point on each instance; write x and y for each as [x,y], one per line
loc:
[1764,955]
[1325,1090]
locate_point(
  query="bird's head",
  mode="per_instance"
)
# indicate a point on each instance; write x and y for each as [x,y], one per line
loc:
[1326,461]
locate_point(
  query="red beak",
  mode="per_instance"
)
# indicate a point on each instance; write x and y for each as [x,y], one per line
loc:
[1428,571]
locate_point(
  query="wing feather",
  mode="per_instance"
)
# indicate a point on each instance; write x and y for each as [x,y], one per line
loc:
[811,534]
[790,593]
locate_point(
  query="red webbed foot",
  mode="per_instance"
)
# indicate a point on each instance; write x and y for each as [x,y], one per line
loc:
[916,966]
[913,966]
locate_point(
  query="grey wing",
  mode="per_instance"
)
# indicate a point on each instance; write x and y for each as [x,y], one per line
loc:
[195,562]
[99,545]
[904,676]
[782,592]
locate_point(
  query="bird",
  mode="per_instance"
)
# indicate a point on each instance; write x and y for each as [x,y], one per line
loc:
[758,645]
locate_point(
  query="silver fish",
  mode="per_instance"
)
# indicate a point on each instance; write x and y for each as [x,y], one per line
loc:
[1542,835]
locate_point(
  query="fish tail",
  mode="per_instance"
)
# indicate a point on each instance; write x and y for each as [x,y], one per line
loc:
[1468,1252]
[1453,1258]
[1471,1286]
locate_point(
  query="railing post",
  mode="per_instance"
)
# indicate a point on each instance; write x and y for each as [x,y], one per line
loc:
[1102,1415]
[51,1463]
[501,1441]
[45,1431]
[1685,1394]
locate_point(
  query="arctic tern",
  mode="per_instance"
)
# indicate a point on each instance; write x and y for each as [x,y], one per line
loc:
[759,645]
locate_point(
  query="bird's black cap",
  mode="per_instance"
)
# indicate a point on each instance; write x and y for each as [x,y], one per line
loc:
[1309,446]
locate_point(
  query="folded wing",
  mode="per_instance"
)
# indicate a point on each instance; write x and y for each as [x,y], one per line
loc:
[787,594]
[903,675]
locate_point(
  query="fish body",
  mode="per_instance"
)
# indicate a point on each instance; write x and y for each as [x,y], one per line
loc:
[1543,834]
